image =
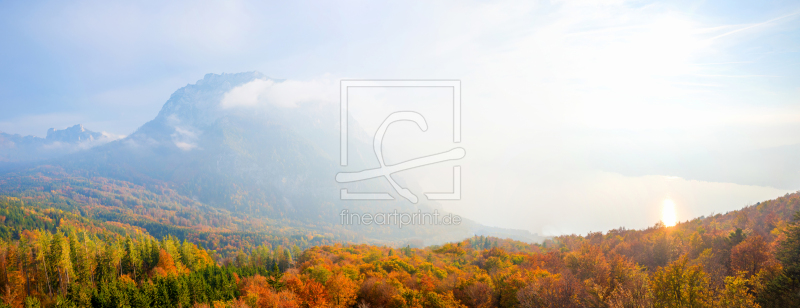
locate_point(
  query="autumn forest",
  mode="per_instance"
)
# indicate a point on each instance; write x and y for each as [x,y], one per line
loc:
[745,258]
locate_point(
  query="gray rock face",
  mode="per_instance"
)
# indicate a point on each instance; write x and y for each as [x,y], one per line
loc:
[262,160]
[283,159]
[265,159]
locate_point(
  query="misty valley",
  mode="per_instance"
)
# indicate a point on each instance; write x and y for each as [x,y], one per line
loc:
[209,205]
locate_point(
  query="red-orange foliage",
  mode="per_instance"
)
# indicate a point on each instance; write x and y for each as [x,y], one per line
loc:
[342,291]
[380,293]
[310,293]
[256,293]
[750,256]
[658,266]
[166,265]
[553,291]
[314,294]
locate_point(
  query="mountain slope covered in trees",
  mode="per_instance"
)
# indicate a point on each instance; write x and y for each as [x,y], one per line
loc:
[746,258]
[203,169]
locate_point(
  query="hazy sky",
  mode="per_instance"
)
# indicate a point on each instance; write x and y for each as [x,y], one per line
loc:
[577,115]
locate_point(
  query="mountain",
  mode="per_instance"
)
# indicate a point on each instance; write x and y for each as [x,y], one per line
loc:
[74,134]
[254,160]
[16,148]
[212,165]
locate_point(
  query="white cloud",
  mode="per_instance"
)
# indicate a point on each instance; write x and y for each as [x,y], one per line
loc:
[283,93]
[651,78]
[185,136]
[748,27]
[105,138]
[82,145]
[185,145]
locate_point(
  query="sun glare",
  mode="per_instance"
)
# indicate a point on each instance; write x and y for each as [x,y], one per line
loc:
[668,213]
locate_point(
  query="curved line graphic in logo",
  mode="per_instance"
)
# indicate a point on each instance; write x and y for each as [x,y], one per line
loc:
[387,170]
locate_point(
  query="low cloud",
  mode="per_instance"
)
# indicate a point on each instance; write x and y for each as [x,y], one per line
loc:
[16,148]
[185,136]
[287,93]
[105,138]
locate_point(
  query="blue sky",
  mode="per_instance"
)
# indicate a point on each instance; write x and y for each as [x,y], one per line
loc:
[619,94]
[112,65]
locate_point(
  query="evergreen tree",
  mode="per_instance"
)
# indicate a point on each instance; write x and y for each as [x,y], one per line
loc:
[42,246]
[131,261]
[296,252]
[784,290]
[187,252]
[274,279]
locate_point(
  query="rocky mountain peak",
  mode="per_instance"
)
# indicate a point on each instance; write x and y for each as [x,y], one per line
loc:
[76,133]
[17,148]
[198,103]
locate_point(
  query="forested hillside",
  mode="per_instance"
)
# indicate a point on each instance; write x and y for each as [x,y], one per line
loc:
[159,210]
[747,258]
[228,178]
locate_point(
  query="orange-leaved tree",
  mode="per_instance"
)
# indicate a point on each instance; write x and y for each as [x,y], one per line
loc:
[679,285]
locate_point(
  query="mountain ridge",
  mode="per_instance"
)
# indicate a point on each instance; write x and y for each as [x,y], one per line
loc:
[268,162]
[15,148]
